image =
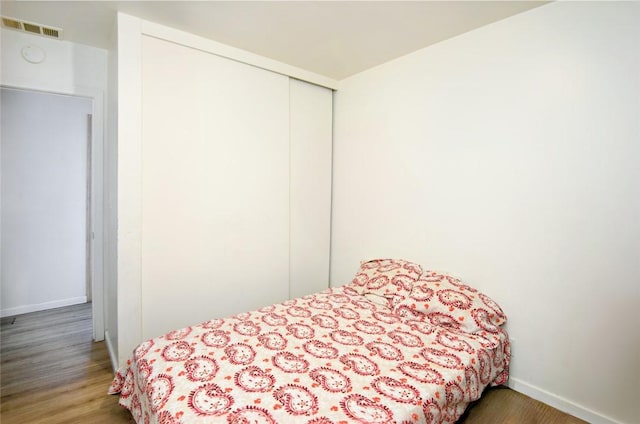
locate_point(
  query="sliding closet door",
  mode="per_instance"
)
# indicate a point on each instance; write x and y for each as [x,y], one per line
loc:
[311,121]
[215,187]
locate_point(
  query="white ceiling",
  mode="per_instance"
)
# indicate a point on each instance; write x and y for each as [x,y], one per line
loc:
[332,38]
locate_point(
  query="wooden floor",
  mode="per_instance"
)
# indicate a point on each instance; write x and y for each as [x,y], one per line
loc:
[52,372]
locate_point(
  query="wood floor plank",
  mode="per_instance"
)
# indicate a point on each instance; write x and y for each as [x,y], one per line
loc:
[501,405]
[52,372]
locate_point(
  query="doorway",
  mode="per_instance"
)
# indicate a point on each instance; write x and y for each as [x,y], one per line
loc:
[47,220]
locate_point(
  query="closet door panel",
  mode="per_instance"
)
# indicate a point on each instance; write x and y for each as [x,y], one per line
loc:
[215,184]
[311,123]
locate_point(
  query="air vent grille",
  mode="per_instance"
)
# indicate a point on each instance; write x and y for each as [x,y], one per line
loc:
[31,27]
[11,23]
[51,32]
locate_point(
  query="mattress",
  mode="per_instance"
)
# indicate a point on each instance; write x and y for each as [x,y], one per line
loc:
[344,355]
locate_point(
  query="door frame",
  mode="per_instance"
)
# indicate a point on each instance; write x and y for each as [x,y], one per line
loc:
[95,262]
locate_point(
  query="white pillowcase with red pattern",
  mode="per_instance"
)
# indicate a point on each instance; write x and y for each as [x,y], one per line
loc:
[386,281]
[432,296]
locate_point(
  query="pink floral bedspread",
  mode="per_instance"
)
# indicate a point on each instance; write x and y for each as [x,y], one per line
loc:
[333,357]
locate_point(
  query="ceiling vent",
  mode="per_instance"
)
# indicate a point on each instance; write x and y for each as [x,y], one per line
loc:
[31,27]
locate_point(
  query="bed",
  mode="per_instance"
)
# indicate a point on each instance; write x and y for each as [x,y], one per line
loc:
[399,344]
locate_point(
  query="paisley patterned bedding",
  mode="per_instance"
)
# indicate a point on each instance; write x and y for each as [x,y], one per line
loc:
[332,357]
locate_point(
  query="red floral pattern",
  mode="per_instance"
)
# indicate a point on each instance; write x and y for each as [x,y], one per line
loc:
[391,279]
[333,357]
[446,301]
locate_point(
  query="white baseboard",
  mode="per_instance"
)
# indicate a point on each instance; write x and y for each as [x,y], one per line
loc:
[112,352]
[560,403]
[25,309]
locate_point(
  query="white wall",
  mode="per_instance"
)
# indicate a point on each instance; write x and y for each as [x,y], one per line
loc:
[310,125]
[44,198]
[111,203]
[129,182]
[67,66]
[509,156]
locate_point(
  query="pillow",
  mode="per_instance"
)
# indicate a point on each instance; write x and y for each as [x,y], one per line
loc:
[388,279]
[445,301]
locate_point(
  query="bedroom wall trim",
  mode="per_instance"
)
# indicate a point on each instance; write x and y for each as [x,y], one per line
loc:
[129,176]
[559,402]
[111,351]
[25,309]
[190,40]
